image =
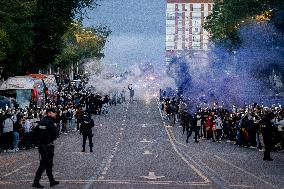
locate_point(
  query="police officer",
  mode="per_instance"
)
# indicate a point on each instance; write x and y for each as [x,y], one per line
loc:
[87,123]
[266,130]
[193,128]
[46,133]
[185,118]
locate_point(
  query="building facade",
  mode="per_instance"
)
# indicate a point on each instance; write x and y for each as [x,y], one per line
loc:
[184,31]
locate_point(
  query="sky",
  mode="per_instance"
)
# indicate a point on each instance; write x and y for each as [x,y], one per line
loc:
[138,31]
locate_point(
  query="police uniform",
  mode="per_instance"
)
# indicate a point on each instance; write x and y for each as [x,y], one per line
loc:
[46,133]
[193,128]
[87,123]
[266,129]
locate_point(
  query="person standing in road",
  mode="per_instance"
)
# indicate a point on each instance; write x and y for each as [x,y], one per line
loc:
[87,123]
[123,96]
[266,129]
[185,121]
[193,128]
[131,93]
[78,115]
[219,127]
[198,124]
[46,133]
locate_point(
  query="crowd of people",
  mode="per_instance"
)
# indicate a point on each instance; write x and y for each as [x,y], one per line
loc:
[253,126]
[17,124]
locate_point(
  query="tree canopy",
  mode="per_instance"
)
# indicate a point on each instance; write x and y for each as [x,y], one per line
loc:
[33,33]
[81,43]
[229,15]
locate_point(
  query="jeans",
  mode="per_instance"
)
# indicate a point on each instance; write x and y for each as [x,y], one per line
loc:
[16,140]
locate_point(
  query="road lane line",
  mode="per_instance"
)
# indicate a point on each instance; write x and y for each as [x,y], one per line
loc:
[135,182]
[174,138]
[241,186]
[206,180]
[16,170]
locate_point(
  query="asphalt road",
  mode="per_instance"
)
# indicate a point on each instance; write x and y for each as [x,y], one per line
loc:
[134,150]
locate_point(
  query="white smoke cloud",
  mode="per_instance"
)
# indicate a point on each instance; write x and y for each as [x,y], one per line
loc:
[146,80]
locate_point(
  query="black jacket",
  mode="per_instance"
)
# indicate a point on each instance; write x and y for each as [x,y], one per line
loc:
[46,132]
[87,123]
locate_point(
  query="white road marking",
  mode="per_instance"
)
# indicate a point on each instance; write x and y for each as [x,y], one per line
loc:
[147,152]
[135,182]
[145,141]
[241,186]
[16,170]
[152,176]
[100,178]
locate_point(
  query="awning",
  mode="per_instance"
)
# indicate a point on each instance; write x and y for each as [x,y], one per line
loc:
[18,82]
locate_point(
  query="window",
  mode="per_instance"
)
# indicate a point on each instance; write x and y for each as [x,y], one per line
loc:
[170,38]
[197,7]
[196,23]
[170,18]
[196,15]
[170,47]
[195,44]
[196,38]
[195,30]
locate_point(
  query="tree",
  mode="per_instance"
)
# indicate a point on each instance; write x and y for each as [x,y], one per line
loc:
[31,32]
[52,21]
[229,15]
[16,34]
[81,43]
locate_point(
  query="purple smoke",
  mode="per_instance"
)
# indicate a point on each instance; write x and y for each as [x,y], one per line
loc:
[252,73]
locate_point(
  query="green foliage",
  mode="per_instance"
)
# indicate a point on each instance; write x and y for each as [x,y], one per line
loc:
[4,45]
[229,15]
[16,25]
[31,32]
[82,43]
